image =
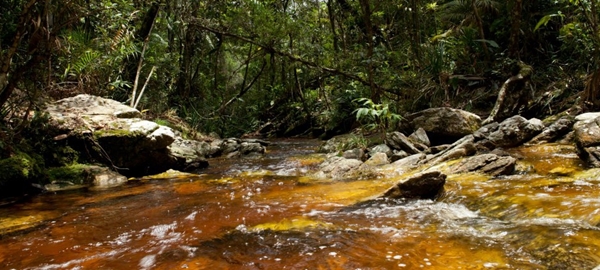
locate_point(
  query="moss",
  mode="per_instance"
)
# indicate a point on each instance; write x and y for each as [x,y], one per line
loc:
[19,170]
[76,173]
[62,156]
[162,122]
[117,133]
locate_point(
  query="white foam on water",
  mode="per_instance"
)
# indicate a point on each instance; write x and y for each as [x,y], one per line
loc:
[147,262]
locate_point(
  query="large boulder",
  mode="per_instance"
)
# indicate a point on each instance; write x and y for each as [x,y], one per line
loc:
[491,164]
[106,131]
[427,185]
[444,125]
[587,138]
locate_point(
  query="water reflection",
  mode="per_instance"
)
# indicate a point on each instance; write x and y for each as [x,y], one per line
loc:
[254,214]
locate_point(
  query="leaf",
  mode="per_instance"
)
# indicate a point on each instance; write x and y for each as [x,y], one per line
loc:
[543,21]
[490,42]
[360,113]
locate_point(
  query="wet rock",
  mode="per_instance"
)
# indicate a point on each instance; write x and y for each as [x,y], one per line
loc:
[337,143]
[461,148]
[356,153]
[490,164]
[229,145]
[377,159]
[247,148]
[405,164]
[444,125]
[438,148]
[169,174]
[562,171]
[399,141]
[555,131]
[338,167]
[420,136]
[108,178]
[511,132]
[587,138]
[234,147]
[587,132]
[80,176]
[427,185]
[398,155]
[195,148]
[588,175]
[559,256]
[381,148]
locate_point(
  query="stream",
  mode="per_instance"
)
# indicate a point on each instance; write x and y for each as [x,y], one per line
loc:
[266,213]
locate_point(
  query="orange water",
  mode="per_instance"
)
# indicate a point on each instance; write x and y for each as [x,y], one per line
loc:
[255,214]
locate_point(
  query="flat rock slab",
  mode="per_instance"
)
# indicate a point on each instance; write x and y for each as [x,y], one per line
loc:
[490,164]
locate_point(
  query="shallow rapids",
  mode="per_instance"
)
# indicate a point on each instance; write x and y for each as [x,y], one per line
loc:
[261,213]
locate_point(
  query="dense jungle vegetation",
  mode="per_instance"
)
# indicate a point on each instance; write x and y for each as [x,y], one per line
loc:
[291,67]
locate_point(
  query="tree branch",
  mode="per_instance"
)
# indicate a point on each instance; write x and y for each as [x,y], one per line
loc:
[288,55]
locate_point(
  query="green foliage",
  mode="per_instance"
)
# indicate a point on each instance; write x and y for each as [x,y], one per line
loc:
[18,172]
[354,141]
[376,116]
[75,173]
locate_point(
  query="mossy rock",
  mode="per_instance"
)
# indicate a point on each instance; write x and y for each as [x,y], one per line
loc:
[77,174]
[123,133]
[18,172]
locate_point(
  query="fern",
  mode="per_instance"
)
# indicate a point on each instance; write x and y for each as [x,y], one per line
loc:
[87,59]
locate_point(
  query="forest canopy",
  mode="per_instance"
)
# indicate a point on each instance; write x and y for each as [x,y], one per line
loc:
[292,67]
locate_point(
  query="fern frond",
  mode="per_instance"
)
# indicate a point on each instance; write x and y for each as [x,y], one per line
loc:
[87,59]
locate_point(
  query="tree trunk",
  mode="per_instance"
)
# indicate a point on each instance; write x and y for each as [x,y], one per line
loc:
[479,22]
[332,24]
[513,48]
[512,95]
[141,37]
[366,9]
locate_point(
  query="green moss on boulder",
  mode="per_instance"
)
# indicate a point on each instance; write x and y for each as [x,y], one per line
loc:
[77,174]
[18,172]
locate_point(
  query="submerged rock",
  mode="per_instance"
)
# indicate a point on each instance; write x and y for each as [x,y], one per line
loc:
[427,185]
